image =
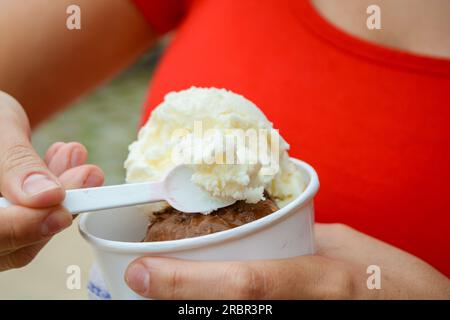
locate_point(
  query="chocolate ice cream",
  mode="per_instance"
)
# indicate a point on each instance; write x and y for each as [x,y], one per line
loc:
[195,126]
[172,224]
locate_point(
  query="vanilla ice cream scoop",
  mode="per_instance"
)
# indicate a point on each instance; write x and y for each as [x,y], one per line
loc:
[233,149]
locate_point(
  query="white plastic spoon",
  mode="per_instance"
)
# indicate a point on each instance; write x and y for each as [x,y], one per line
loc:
[177,189]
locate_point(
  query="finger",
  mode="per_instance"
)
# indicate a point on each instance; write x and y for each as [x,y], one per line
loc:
[24,177]
[302,277]
[20,226]
[21,257]
[52,150]
[70,155]
[341,242]
[85,176]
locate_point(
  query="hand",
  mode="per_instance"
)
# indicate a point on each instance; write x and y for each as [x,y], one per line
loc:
[337,271]
[35,186]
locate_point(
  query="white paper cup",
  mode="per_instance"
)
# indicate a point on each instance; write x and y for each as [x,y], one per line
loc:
[115,237]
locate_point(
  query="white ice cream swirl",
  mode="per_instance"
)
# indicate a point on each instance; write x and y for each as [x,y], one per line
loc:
[230,144]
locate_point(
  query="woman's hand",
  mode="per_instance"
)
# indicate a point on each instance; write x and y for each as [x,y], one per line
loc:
[35,186]
[337,271]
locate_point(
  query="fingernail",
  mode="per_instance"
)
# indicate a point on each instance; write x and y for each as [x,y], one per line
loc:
[137,278]
[76,158]
[38,183]
[56,222]
[92,180]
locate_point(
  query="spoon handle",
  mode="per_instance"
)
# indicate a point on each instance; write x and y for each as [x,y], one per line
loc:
[100,198]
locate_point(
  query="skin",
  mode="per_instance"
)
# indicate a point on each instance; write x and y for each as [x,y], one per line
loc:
[27,226]
[416,26]
[336,271]
[45,66]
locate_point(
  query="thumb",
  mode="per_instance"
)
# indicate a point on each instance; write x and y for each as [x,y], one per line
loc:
[24,178]
[306,277]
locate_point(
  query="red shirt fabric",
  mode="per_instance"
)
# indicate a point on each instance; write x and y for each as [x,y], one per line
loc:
[373,121]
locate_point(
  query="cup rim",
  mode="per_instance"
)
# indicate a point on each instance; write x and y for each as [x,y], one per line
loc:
[205,240]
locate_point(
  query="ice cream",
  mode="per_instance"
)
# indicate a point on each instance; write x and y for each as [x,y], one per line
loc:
[197,123]
[233,149]
[171,224]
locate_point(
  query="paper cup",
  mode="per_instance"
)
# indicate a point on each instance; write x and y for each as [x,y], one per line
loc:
[115,237]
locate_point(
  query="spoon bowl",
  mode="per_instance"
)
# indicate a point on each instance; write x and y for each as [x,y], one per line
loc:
[185,196]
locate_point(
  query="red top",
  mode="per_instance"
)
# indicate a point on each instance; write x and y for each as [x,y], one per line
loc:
[373,121]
